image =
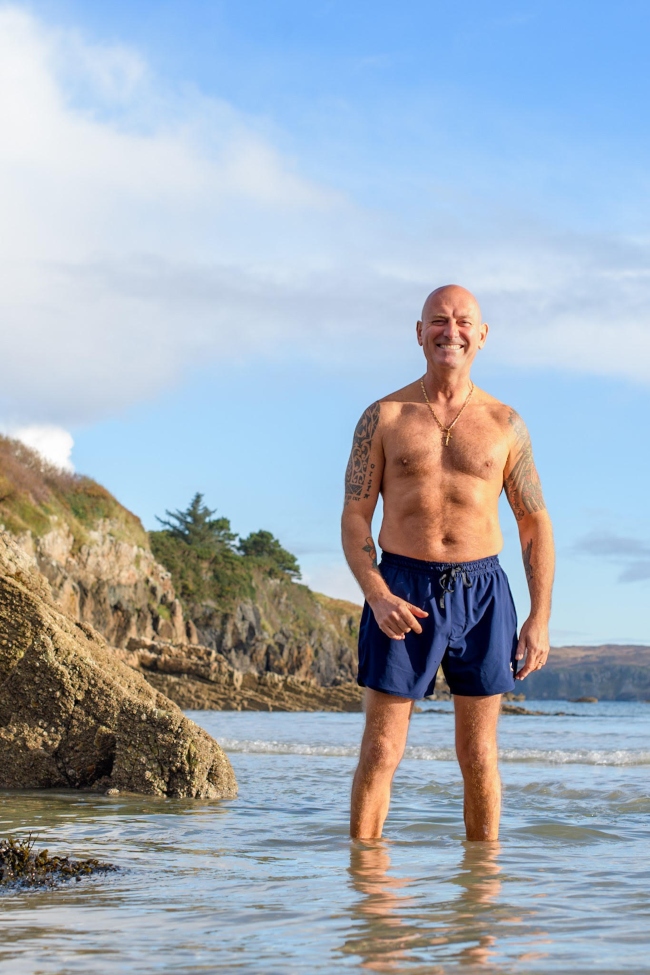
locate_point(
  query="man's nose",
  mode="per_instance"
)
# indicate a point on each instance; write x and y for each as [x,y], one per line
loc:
[451,329]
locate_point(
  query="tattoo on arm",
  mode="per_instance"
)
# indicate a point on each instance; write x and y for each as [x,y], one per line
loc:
[369,547]
[522,485]
[527,554]
[359,474]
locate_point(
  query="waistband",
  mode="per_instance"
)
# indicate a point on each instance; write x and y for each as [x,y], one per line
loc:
[418,565]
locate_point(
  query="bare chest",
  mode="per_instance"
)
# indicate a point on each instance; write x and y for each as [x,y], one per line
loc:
[416,448]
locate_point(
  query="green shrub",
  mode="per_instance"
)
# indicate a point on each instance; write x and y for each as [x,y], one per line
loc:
[207,565]
[266,550]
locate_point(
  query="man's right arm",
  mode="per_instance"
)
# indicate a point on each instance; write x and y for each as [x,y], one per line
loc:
[363,477]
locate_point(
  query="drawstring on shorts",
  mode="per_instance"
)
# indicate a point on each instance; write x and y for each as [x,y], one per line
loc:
[450,576]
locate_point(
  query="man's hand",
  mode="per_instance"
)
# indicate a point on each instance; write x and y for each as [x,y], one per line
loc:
[533,644]
[395,617]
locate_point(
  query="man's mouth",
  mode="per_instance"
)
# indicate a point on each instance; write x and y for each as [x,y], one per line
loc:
[442,345]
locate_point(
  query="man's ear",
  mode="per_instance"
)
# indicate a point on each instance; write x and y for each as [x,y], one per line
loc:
[485,328]
[418,332]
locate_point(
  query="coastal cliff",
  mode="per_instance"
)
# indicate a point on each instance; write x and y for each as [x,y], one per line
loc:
[94,553]
[609,673]
[241,607]
[284,628]
[242,598]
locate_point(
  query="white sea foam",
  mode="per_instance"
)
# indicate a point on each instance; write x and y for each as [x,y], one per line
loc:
[257,747]
[559,756]
[555,756]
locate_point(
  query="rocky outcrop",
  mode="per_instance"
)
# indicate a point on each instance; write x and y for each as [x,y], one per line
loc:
[200,678]
[288,630]
[609,673]
[73,715]
[113,584]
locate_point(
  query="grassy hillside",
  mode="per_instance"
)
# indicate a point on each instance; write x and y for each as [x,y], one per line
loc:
[34,493]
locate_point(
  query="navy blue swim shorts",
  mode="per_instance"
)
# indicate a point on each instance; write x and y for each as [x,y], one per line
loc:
[471,630]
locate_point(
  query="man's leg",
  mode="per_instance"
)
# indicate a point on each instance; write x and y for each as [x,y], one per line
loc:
[476,747]
[382,747]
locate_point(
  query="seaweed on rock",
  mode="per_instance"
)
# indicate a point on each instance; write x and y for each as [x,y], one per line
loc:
[22,866]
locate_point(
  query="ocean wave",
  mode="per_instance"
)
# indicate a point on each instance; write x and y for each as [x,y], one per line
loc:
[559,756]
[255,747]
[554,756]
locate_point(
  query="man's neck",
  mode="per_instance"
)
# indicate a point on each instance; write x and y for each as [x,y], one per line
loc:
[448,385]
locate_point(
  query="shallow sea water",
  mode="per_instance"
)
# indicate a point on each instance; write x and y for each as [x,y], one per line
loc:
[270,882]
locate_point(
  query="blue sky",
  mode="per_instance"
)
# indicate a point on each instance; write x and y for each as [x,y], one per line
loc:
[221,220]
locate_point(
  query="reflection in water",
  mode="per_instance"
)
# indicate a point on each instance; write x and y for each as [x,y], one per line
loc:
[398,925]
[474,918]
[385,937]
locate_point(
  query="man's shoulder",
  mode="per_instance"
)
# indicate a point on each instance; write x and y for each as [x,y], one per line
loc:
[501,412]
[505,416]
[388,406]
[393,402]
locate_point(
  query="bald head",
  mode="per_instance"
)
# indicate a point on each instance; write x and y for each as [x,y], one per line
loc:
[451,330]
[453,295]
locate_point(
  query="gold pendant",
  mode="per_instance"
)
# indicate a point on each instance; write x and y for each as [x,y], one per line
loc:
[448,437]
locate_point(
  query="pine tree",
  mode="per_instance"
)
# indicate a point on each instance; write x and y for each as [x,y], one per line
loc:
[198,528]
[266,549]
[199,551]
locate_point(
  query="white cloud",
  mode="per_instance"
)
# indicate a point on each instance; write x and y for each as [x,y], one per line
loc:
[53,443]
[115,218]
[149,230]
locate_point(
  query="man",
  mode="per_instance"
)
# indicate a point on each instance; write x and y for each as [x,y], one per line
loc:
[440,451]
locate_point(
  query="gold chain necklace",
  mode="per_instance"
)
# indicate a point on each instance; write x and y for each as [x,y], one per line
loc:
[447,430]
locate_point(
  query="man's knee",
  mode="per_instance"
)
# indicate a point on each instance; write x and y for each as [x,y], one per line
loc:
[476,757]
[380,754]
[476,733]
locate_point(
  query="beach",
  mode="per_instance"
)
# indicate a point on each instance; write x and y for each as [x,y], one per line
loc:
[270,882]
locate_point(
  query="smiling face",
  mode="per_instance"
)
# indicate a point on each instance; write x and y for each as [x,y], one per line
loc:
[451,331]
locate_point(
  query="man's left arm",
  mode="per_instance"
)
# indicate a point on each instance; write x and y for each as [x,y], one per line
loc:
[524,492]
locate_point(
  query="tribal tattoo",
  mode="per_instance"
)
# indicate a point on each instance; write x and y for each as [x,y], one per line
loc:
[527,554]
[369,547]
[359,474]
[522,485]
